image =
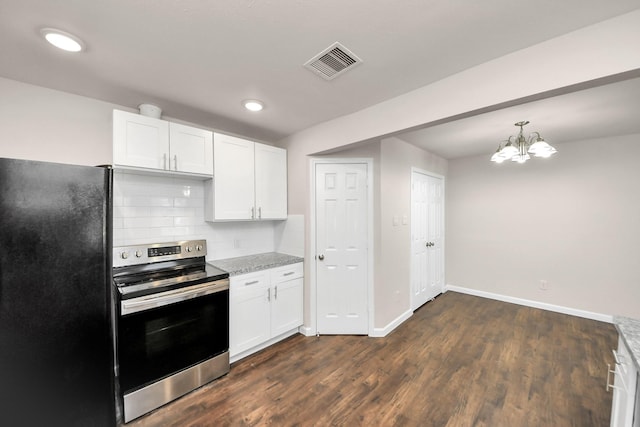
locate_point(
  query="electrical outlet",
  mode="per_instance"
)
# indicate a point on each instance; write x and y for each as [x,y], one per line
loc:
[544,285]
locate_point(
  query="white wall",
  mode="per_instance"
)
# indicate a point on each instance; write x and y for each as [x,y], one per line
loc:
[49,125]
[392,163]
[572,220]
[598,51]
[393,284]
[569,61]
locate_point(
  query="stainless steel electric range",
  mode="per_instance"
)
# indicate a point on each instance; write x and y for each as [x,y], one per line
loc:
[172,323]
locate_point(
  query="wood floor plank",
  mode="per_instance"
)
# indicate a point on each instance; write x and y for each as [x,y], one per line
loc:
[458,361]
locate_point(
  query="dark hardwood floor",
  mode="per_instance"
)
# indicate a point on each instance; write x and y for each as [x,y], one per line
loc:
[459,361]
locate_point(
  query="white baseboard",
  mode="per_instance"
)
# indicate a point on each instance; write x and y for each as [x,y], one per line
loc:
[535,304]
[235,357]
[306,331]
[383,332]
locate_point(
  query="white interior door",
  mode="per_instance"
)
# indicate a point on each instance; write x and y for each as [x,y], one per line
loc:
[341,248]
[427,238]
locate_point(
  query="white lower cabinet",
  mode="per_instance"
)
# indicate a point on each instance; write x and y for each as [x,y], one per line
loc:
[624,388]
[249,311]
[264,307]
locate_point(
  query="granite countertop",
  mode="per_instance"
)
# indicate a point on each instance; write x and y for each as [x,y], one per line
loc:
[251,263]
[629,330]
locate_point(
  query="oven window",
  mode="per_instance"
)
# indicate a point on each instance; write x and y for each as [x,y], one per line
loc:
[156,343]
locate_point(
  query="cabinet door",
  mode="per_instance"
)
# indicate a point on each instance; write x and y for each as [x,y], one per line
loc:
[286,306]
[249,312]
[140,141]
[191,149]
[623,404]
[271,182]
[233,180]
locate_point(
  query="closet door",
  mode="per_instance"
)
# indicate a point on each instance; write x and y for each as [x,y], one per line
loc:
[427,237]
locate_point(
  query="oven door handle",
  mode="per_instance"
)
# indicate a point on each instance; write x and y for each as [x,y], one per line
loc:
[148,302]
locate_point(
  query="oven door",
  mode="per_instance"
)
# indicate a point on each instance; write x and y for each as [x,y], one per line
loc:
[161,334]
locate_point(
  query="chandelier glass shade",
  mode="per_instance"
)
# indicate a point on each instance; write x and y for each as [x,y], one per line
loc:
[520,149]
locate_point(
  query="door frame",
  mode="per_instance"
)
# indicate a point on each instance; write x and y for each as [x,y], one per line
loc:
[312,329]
[444,237]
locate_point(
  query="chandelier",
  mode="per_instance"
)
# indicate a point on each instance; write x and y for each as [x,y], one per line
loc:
[518,148]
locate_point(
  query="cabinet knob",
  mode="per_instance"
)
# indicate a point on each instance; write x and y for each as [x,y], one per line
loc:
[321,257]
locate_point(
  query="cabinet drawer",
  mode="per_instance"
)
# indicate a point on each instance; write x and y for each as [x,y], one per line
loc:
[287,272]
[249,281]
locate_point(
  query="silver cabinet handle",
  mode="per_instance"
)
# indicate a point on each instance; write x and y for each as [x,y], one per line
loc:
[251,283]
[260,213]
[289,273]
[253,213]
[269,294]
[321,257]
[275,292]
[617,357]
[164,161]
[609,372]
[175,162]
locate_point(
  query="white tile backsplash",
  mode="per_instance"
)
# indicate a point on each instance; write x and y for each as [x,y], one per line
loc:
[289,236]
[156,209]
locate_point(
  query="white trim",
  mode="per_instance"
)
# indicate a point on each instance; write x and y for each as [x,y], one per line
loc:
[306,331]
[535,304]
[312,328]
[383,332]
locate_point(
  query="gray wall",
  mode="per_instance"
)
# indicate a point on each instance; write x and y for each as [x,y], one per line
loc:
[572,220]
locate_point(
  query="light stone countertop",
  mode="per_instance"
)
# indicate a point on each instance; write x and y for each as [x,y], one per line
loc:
[251,263]
[629,330]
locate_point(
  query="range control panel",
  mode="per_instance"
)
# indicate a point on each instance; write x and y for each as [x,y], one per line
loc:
[155,252]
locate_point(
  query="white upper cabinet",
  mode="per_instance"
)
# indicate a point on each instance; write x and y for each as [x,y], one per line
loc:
[140,141]
[233,180]
[155,144]
[249,183]
[271,181]
[191,149]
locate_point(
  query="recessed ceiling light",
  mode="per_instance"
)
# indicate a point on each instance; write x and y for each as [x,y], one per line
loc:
[253,104]
[62,40]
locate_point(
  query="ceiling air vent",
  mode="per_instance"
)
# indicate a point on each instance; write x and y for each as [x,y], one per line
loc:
[333,61]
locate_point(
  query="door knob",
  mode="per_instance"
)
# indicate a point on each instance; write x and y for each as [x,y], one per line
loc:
[320,257]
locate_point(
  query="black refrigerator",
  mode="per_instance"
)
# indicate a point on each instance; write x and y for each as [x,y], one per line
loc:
[56,332]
